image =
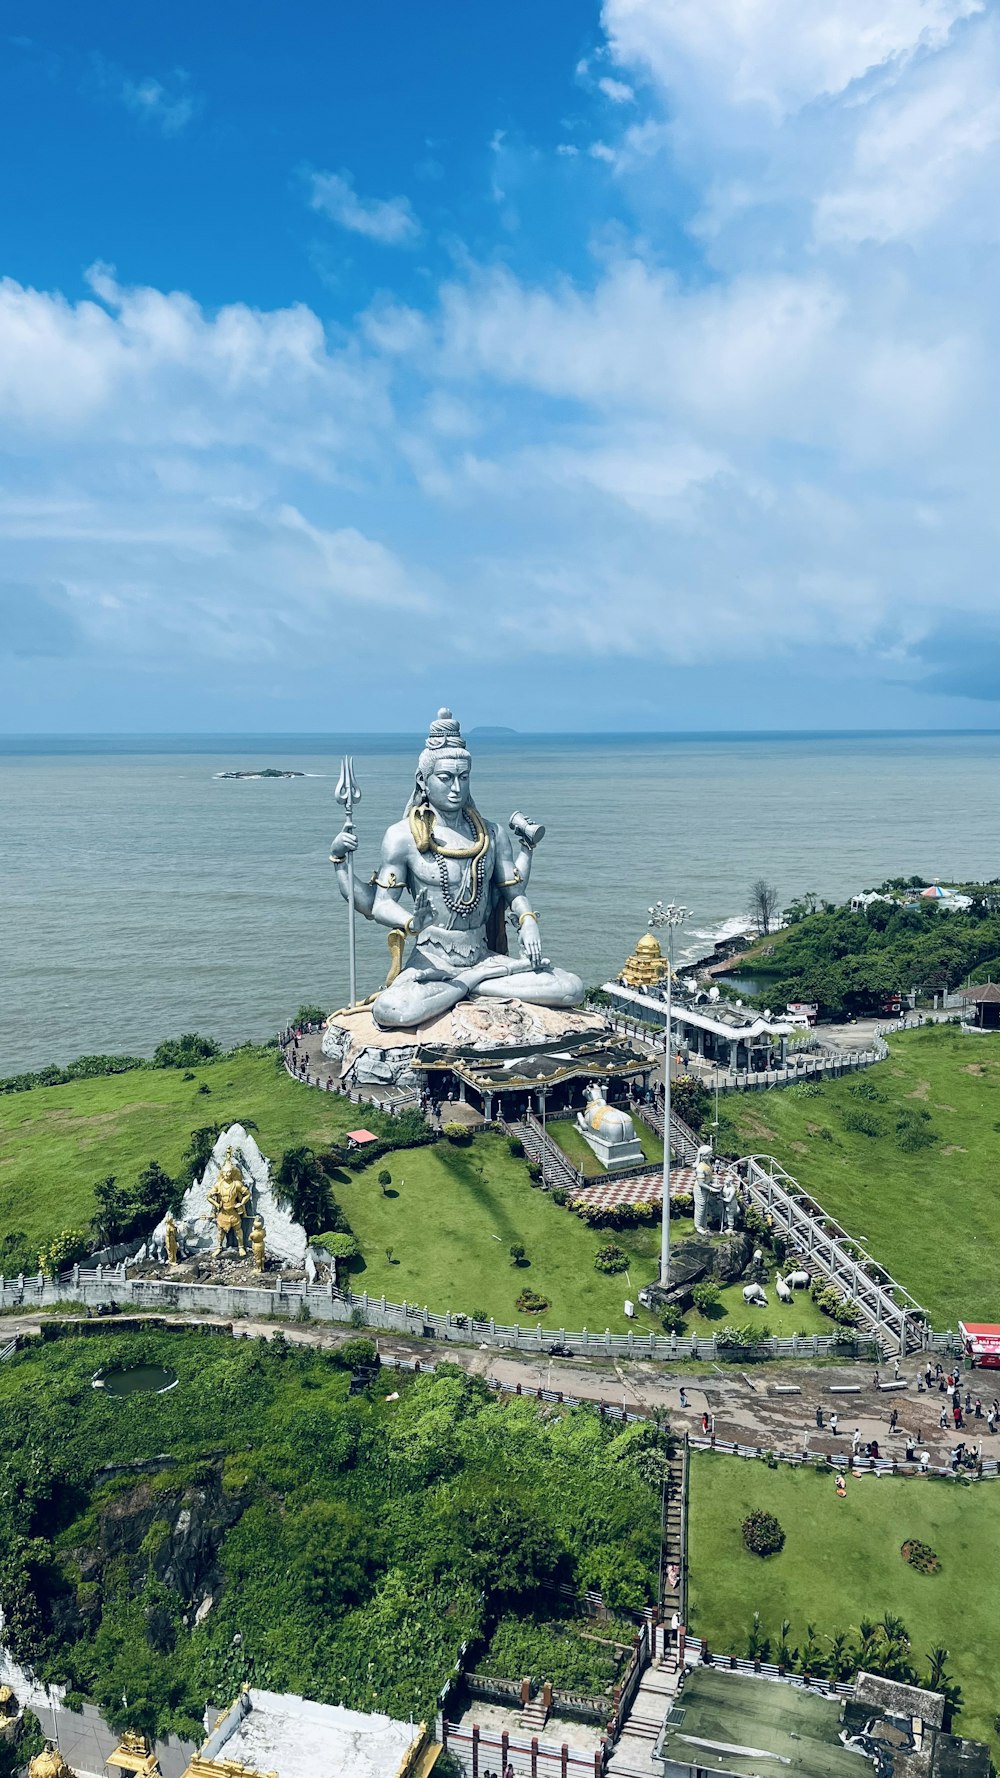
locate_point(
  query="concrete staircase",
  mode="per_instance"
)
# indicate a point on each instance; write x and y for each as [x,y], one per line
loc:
[633,1751]
[533,1717]
[671,1600]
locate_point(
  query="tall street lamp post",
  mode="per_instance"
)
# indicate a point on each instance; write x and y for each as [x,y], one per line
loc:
[671,917]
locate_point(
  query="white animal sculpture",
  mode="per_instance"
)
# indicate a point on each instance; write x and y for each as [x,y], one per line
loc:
[753,1294]
[598,1115]
[798,1280]
[784,1294]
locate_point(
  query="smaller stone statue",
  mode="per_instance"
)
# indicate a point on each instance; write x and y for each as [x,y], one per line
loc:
[229,1198]
[170,1238]
[257,1243]
[608,1131]
[707,1192]
[730,1203]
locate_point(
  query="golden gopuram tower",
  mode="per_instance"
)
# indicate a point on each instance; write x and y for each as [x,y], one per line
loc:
[647,966]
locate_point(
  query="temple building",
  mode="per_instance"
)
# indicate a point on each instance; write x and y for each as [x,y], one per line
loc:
[647,966]
[719,1032]
[267,1735]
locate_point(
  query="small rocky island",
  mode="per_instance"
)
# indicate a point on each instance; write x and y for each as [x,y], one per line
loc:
[266,772]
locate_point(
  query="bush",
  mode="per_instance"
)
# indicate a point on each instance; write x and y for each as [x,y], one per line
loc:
[762,1533]
[610,1259]
[920,1556]
[517,1253]
[862,1123]
[356,1355]
[743,1339]
[705,1297]
[534,1170]
[457,1133]
[515,1147]
[186,1051]
[530,1303]
[384,1177]
[338,1245]
[69,1247]
[690,1100]
[681,1204]
[310,1015]
[671,1319]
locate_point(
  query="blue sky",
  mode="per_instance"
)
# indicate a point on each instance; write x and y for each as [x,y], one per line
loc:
[622,365]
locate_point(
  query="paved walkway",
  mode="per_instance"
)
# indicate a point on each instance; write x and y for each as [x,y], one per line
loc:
[747,1407]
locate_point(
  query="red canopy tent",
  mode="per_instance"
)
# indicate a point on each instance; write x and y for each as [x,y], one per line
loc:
[982,1342]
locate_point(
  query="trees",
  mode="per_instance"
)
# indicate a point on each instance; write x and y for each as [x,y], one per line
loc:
[303,1187]
[763,904]
[186,1051]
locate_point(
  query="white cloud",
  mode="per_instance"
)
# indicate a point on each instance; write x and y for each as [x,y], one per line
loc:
[390,221]
[166,104]
[618,91]
[779,54]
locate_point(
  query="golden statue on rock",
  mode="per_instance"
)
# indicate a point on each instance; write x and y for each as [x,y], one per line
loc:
[257,1243]
[170,1239]
[230,1200]
[50,1764]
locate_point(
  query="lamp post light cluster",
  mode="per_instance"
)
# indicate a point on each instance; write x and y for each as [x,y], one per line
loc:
[671,917]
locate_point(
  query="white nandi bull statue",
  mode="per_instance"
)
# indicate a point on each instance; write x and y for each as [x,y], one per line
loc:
[609,1131]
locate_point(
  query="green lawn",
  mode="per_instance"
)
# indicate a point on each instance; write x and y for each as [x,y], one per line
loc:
[931,1217]
[563,1130]
[455,1215]
[841,1562]
[56,1142]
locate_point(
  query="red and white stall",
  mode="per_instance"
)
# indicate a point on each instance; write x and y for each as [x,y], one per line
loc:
[981,1340]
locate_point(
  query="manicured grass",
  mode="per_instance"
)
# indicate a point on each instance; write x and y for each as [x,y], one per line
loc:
[841,1563]
[57,1142]
[563,1130]
[930,1217]
[451,1227]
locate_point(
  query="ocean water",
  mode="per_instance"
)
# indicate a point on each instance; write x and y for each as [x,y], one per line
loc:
[142,896]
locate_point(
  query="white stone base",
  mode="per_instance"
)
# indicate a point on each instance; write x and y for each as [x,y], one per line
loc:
[613,1154]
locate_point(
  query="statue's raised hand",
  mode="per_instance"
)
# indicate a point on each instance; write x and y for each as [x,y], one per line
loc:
[423,912]
[346,841]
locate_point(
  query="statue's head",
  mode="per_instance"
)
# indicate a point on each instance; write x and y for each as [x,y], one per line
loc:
[444,768]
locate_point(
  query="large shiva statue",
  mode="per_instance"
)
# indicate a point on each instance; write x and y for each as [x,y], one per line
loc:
[463,876]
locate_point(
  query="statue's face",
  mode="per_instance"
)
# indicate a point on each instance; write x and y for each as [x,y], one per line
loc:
[448,783]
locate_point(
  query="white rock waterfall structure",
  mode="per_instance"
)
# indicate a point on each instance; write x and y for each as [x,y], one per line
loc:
[286,1239]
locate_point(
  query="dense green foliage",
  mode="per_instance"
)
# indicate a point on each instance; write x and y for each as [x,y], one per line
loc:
[848,962]
[897,1193]
[840,1581]
[352,1542]
[563,1651]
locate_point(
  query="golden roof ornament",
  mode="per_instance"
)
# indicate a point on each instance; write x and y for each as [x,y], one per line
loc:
[50,1764]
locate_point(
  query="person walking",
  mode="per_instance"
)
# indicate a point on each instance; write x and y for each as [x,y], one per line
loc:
[704,1425]
[833,1423]
[684,1399]
[855,1441]
[819,1417]
[979,1407]
[893,1419]
[877,1384]
[943,1418]
[895,1370]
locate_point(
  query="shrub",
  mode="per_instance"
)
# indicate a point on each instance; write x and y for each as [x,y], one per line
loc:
[384,1176]
[534,1170]
[671,1319]
[705,1297]
[913,1132]
[68,1247]
[762,1533]
[743,1339]
[310,1015]
[862,1123]
[681,1204]
[690,1100]
[517,1253]
[560,1196]
[479,1315]
[920,1556]
[186,1051]
[610,1259]
[356,1355]
[457,1133]
[530,1303]
[338,1245]
[515,1147]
